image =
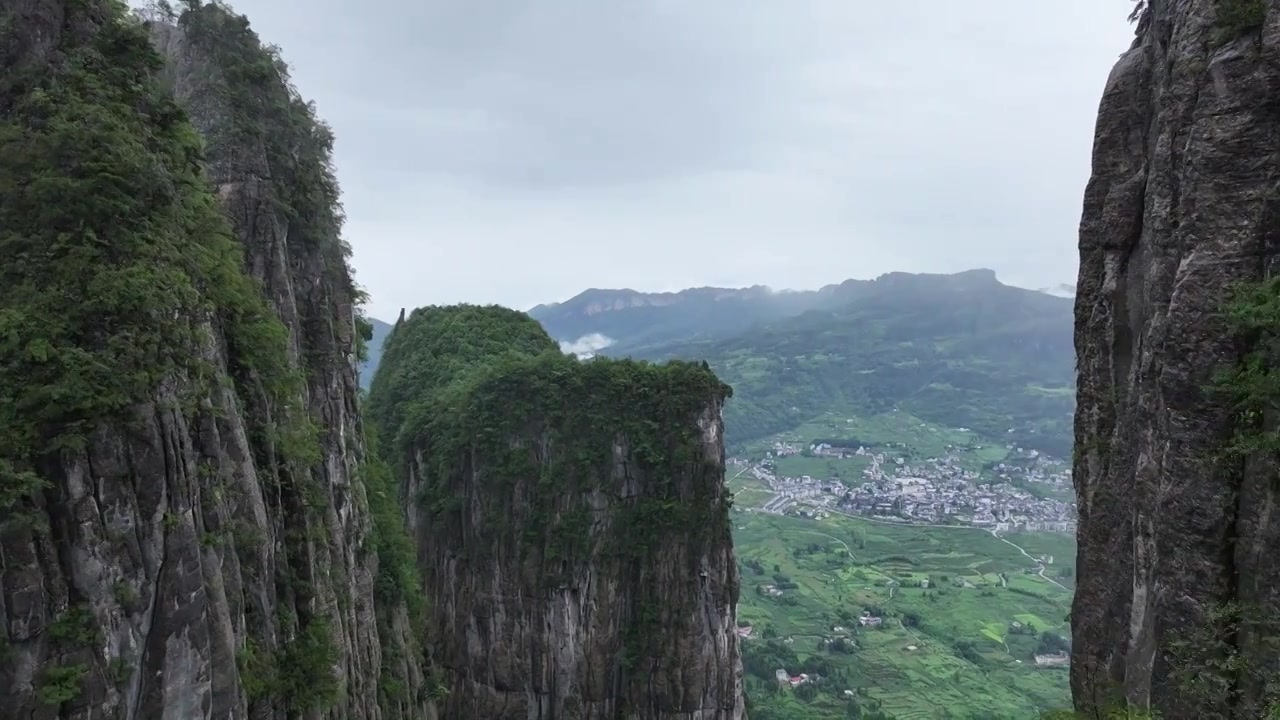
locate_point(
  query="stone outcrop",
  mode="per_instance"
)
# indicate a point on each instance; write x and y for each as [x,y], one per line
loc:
[571,519]
[201,547]
[1177,533]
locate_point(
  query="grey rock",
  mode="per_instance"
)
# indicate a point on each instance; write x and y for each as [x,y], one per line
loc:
[167,544]
[523,632]
[1182,205]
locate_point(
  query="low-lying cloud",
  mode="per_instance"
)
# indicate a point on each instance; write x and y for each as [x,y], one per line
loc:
[587,345]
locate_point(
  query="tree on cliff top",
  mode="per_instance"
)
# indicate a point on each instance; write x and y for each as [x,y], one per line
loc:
[437,345]
[115,250]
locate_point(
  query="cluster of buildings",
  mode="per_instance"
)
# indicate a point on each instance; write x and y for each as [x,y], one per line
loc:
[930,491]
[999,507]
[934,491]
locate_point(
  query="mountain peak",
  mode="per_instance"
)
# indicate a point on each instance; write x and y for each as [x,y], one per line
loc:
[983,276]
[626,320]
[986,274]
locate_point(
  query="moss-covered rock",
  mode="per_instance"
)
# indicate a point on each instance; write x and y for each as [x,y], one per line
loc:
[570,515]
[190,527]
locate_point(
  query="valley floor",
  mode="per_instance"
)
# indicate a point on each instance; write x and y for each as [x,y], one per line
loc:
[883,619]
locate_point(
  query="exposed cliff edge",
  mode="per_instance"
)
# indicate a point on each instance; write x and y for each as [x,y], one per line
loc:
[191,528]
[1178,576]
[571,520]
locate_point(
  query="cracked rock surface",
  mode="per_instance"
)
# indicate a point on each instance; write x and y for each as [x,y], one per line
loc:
[1183,204]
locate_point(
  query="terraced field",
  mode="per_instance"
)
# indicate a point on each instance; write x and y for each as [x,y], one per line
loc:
[958,645]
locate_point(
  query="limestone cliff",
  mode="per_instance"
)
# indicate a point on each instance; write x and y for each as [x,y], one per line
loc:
[190,525]
[1178,581]
[571,519]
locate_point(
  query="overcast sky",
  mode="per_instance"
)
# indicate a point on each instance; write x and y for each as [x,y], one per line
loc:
[521,151]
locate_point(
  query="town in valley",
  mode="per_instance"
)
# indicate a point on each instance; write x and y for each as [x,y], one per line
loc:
[1028,492]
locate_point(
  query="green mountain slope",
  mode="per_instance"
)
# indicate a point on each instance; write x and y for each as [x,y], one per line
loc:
[958,350]
[189,522]
[531,474]
[377,337]
[963,350]
[635,322]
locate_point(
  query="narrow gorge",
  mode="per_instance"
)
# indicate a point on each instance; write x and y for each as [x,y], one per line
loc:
[196,518]
[1177,608]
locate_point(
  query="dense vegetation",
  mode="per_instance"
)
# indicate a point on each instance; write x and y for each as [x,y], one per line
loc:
[115,254]
[1238,17]
[267,127]
[577,411]
[436,346]
[397,585]
[121,274]
[268,121]
[1218,656]
[124,280]
[964,352]
[497,423]
[1253,384]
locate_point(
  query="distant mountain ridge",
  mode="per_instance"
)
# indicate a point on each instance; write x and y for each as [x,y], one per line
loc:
[597,300]
[961,349]
[629,318]
[958,350]
[370,365]
[634,322]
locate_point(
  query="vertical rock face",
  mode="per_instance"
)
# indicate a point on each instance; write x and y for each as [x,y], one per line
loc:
[1177,534]
[571,519]
[186,530]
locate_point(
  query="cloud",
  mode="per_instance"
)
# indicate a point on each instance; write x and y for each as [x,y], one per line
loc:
[518,152]
[587,345]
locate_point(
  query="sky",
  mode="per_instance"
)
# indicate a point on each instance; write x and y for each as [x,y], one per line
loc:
[521,151]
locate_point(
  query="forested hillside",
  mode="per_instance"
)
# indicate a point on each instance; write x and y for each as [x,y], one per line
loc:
[573,513]
[192,526]
[960,350]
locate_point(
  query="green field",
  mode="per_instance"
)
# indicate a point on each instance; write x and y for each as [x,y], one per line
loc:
[899,434]
[969,659]
[963,611]
[846,469]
